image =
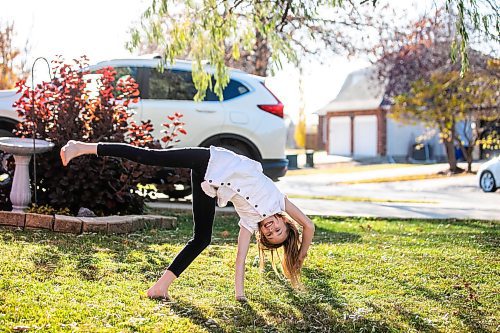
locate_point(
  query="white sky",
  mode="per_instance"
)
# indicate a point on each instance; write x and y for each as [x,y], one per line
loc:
[99,29]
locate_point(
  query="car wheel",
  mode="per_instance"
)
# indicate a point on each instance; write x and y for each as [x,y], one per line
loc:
[180,193]
[237,147]
[487,182]
[170,186]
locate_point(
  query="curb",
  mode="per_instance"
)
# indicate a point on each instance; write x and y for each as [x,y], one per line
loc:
[182,207]
[109,225]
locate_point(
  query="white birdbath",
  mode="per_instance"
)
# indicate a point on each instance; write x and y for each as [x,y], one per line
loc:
[22,149]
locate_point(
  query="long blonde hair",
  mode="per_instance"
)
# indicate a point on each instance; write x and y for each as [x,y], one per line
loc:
[291,247]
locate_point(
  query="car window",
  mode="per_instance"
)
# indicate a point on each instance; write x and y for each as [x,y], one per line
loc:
[176,85]
[179,85]
[232,90]
[126,71]
[121,73]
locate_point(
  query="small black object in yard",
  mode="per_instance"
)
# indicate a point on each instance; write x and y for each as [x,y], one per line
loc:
[310,158]
[422,153]
[292,161]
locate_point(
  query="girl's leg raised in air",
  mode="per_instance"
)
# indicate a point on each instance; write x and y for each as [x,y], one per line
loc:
[203,206]
[193,158]
[75,148]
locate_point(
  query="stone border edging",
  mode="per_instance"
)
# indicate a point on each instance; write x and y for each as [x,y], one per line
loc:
[114,224]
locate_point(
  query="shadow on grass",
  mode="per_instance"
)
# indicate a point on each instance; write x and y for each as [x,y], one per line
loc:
[323,235]
[184,309]
[46,259]
[463,303]
[414,320]
[480,240]
[87,266]
[318,308]
[321,308]
[483,225]
[239,317]
[477,234]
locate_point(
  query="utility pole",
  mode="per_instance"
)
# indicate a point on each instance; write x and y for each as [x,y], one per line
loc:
[300,129]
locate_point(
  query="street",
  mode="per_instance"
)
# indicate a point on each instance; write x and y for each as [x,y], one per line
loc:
[449,197]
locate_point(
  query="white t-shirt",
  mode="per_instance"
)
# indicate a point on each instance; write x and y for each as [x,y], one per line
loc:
[236,178]
[249,217]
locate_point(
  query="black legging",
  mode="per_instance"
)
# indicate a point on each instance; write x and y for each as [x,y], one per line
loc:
[203,206]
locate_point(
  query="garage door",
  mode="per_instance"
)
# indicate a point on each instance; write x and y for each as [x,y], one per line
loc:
[339,138]
[365,136]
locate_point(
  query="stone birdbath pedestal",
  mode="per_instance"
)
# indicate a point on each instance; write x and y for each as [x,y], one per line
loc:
[22,149]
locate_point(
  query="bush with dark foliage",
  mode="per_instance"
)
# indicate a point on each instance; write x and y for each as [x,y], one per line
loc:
[92,108]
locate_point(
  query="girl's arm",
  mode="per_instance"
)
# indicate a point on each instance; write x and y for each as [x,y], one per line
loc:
[244,238]
[307,228]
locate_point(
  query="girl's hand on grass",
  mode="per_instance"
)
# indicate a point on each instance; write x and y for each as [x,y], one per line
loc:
[300,262]
[241,299]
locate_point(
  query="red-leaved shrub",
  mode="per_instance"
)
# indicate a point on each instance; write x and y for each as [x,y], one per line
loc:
[92,108]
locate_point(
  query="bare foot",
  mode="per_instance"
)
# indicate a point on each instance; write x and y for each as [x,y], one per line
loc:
[159,293]
[69,151]
[160,289]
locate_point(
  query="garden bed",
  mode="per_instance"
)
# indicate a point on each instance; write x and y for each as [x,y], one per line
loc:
[115,224]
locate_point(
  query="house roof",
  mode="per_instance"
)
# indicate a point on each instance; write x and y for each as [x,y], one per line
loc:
[362,90]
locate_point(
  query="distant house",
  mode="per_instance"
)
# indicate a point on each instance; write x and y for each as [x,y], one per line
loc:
[355,123]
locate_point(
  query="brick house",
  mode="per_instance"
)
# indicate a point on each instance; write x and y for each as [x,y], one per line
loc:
[356,124]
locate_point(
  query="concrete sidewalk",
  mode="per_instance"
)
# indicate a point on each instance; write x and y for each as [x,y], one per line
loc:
[322,159]
[389,172]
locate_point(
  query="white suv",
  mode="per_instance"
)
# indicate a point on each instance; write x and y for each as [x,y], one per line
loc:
[248,121]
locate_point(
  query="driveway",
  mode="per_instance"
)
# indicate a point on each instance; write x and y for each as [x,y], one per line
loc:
[450,197]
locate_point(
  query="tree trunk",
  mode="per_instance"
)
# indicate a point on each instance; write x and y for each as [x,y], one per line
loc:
[467,152]
[450,148]
[262,55]
[450,153]
[468,156]
[255,61]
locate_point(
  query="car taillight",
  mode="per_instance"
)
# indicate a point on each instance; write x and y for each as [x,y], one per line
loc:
[276,109]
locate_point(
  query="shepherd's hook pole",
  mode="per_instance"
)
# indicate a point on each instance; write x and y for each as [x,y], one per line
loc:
[33,132]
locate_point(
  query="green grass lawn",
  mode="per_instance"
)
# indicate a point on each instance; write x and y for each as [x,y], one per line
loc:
[362,275]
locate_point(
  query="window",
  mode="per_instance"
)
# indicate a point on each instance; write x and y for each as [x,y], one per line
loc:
[121,73]
[232,90]
[125,71]
[178,85]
